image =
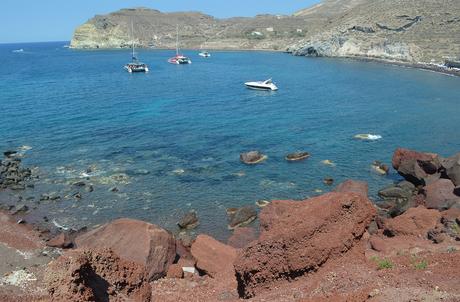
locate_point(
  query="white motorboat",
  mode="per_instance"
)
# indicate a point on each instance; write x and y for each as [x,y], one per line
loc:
[262,85]
[204,54]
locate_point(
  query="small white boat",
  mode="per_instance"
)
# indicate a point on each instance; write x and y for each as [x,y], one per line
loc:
[262,85]
[204,54]
[18,50]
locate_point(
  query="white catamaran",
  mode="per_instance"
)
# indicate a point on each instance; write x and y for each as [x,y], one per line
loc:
[135,65]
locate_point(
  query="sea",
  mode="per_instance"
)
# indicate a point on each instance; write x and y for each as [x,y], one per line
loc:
[155,146]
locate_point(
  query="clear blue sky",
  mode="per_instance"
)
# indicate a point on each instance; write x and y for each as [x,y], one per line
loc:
[55,20]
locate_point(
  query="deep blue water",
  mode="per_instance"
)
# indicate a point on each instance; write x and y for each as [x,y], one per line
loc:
[80,109]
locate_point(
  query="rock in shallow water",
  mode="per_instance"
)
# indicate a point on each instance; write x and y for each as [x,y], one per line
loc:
[189,221]
[242,216]
[252,157]
[297,156]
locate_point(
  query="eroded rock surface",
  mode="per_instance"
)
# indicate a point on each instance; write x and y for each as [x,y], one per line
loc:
[299,237]
[137,241]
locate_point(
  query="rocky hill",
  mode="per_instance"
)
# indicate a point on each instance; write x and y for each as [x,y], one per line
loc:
[402,30]
[409,31]
[152,28]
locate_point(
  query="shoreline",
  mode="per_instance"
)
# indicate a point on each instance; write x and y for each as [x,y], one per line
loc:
[414,65]
[388,243]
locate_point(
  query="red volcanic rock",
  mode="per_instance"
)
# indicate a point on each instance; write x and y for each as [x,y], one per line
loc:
[62,241]
[401,155]
[242,237]
[213,257]
[299,237]
[353,186]
[90,275]
[440,194]
[414,222]
[137,241]
[175,271]
[416,167]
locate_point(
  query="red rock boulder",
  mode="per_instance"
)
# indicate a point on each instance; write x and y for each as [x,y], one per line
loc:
[440,195]
[137,241]
[414,222]
[353,186]
[417,167]
[90,275]
[242,237]
[299,237]
[213,257]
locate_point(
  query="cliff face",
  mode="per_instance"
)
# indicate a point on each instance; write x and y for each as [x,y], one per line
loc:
[152,28]
[401,30]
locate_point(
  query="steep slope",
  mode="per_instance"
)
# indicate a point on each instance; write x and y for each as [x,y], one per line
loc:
[401,30]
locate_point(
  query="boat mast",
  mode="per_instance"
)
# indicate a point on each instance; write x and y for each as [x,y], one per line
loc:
[177,40]
[132,41]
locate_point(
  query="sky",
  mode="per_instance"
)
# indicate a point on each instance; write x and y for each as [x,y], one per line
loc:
[55,20]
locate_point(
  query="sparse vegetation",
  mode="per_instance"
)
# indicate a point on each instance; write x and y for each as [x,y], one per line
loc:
[382,263]
[419,264]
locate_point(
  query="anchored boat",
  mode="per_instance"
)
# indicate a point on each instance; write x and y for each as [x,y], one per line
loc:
[262,85]
[179,59]
[204,54]
[135,65]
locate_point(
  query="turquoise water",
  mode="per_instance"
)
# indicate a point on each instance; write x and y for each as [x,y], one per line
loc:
[170,140]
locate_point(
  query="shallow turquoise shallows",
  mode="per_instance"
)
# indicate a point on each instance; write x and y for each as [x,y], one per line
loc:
[169,141]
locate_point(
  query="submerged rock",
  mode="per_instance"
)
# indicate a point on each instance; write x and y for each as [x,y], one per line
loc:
[189,221]
[380,167]
[133,240]
[298,237]
[252,157]
[262,203]
[328,181]
[297,156]
[242,216]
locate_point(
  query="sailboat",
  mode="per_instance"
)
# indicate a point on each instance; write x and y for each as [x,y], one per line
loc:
[179,59]
[135,65]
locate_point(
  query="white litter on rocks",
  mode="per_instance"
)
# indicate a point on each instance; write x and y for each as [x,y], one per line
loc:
[187,269]
[19,278]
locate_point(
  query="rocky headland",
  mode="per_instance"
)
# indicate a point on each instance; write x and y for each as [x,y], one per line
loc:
[422,34]
[340,246]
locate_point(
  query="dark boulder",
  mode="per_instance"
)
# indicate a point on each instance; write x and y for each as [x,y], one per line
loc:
[242,216]
[452,167]
[189,221]
[297,156]
[252,157]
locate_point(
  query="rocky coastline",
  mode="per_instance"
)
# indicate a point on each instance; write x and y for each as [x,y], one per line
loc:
[417,34]
[339,246]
